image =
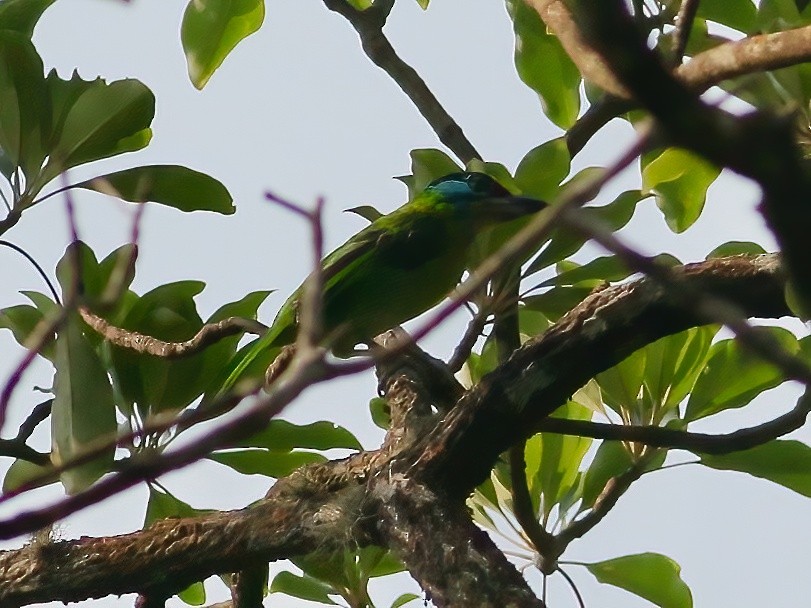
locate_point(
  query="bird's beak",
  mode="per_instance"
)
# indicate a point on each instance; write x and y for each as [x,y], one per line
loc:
[513,207]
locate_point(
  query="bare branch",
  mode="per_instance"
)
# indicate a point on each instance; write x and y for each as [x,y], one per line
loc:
[700,443]
[209,334]
[606,327]
[369,25]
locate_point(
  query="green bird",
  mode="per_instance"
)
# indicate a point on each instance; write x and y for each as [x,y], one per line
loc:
[398,267]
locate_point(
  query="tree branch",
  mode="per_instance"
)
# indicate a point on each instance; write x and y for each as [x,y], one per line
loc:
[148,345]
[699,443]
[606,327]
[369,26]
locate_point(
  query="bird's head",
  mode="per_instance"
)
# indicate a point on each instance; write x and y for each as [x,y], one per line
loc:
[482,198]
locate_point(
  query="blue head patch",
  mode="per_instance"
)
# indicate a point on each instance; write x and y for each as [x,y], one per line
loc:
[467,186]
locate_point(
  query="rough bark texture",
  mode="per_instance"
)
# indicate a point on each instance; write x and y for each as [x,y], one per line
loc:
[409,495]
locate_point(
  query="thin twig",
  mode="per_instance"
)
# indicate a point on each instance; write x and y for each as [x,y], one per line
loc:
[684,25]
[369,26]
[38,414]
[36,265]
[698,443]
[465,346]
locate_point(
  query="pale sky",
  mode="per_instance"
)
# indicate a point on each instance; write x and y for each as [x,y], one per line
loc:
[299,109]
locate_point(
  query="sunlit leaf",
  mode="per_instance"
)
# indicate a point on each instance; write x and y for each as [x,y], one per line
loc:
[303,587]
[733,375]
[544,66]
[543,168]
[284,435]
[270,463]
[21,472]
[735,248]
[367,212]
[404,599]
[679,179]
[212,28]
[740,15]
[553,461]
[782,461]
[652,576]
[194,594]
[428,164]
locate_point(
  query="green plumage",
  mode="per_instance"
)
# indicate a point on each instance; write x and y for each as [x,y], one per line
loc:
[399,266]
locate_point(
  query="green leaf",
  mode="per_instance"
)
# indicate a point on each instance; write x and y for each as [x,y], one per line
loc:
[603,269]
[367,212]
[404,599]
[736,248]
[621,385]
[673,363]
[303,587]
[194,594]
[163,505]
[543,168]
[782,461]
[171,185]
[379,409]
[375,562]
[168,313]
[611,460]
[428,164]
[564,242]
[98,120]
[22,472]
[733,375]
[361,5]
[212,28]
[557,301]
[544,66]
[270,463]
[22,320]
[652,576]
[22,15]
[83,413]
[284,435]
[740,15]
[24,104]
[553,461]
[679,179]
[423,4]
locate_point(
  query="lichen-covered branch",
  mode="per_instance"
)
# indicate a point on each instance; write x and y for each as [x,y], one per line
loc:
[509,403]
[209,334]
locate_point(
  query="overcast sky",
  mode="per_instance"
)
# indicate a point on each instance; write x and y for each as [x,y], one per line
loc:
[298,109]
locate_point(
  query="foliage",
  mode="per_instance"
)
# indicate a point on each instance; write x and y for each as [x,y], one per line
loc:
[112,405]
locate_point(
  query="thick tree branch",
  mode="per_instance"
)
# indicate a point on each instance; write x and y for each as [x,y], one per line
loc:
[760,146]
[173,553]
[455,562]
[605,328]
